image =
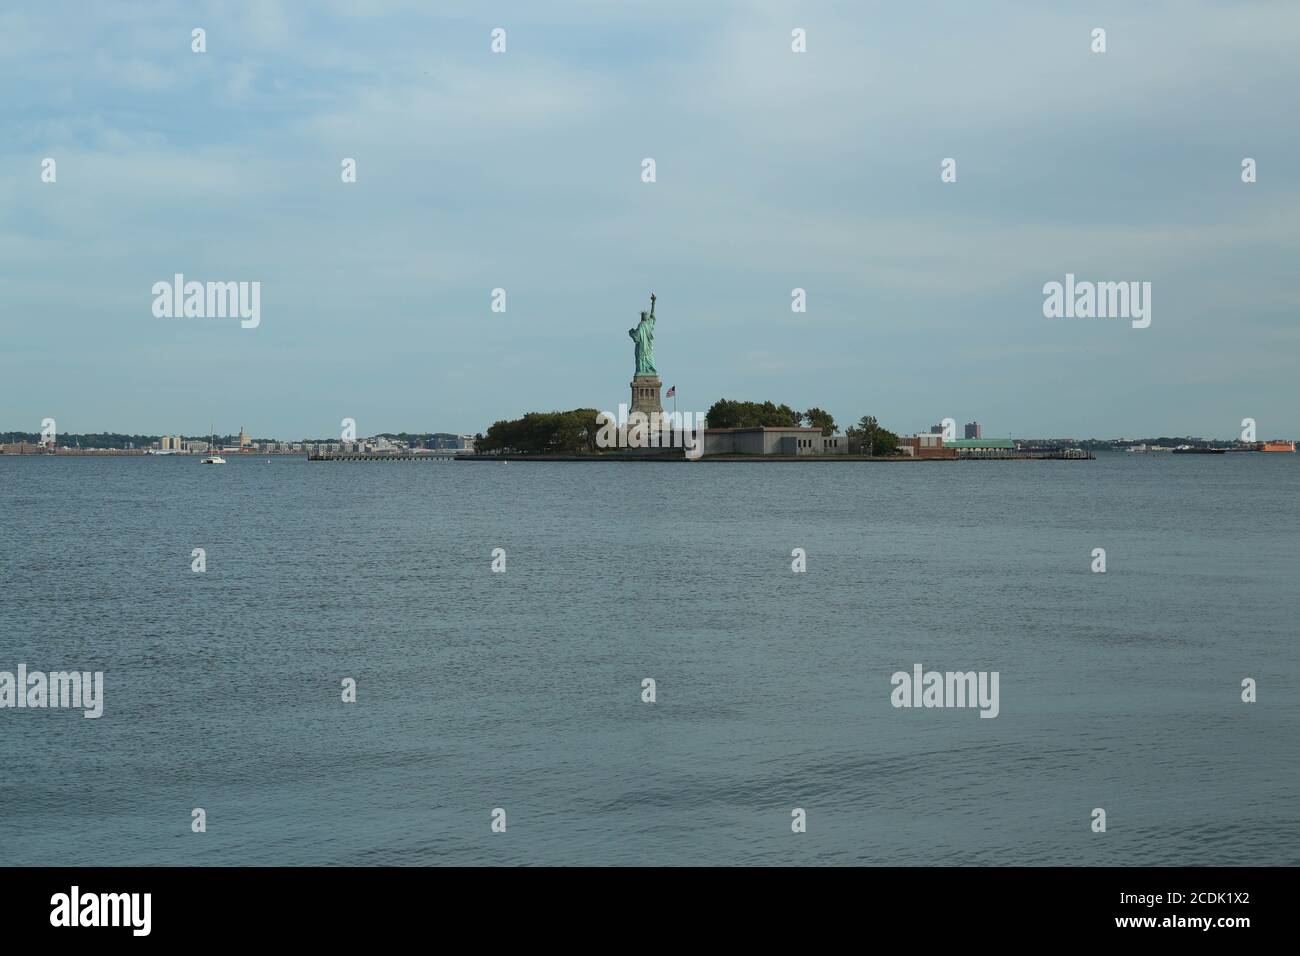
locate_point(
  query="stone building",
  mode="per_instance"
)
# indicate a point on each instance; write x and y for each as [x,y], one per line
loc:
[791,441]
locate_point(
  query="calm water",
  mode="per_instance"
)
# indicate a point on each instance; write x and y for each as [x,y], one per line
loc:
[522,690]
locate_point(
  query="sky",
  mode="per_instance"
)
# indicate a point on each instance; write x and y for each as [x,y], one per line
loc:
[774,170]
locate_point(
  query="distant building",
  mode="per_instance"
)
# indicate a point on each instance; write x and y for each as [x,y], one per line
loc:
[926,446]
[772,441]
[936,429]
[981,447]
[973,430]
[446,441]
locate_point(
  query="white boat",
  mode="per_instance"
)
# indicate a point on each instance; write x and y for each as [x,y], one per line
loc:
[213,458]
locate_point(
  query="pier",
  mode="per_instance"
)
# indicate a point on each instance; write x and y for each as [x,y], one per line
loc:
[1042,454]
[357,456]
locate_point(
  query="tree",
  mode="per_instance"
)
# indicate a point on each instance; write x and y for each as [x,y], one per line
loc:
[727,413]
[543,433]
[869,426]
[818,418]
[869,438]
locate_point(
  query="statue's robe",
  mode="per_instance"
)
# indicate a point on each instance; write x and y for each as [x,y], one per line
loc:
[644,337]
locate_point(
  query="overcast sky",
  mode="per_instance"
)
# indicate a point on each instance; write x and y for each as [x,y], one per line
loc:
[775,170]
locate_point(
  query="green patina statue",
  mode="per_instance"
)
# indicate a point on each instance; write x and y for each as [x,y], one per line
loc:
[644,337]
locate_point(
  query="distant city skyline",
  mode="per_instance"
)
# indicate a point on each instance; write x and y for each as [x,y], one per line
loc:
[775,171]
[967,433]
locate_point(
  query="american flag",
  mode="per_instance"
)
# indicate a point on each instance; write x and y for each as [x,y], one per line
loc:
[671,392]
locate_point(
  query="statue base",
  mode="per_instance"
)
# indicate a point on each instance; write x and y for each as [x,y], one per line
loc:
[645,394]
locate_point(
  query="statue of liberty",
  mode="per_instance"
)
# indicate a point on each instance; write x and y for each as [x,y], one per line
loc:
[644,337]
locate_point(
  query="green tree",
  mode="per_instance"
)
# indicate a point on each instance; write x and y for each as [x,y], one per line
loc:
[727,413]
[819,418]
[869,438]
[543,433]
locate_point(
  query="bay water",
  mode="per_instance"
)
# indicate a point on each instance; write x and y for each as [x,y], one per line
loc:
[522,690]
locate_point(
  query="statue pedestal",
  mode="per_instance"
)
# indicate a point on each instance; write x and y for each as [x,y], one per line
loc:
[645,394]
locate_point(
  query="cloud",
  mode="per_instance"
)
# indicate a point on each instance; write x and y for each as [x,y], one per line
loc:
[776,170]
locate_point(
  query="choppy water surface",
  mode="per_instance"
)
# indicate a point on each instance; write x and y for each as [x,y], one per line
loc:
[522,690]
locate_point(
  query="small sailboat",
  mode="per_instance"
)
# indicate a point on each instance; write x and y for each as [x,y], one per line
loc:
[212,457]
